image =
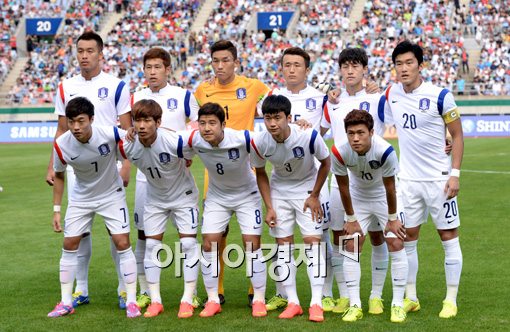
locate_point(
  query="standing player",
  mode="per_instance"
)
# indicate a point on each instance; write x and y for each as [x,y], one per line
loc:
[179,106]
[293,196]
[91,151]
[232,189]
[171,193]
[239,96]
[421,113]
[365,170]
[110,97]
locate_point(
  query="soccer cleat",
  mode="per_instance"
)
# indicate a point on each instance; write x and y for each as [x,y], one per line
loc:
[316,313]
[222,298]
[185,310]
[122,300]
[211,308]
[61,310]
[328,303]
[143,300]
[291,311]
[153,310]
[196,301]
[79,299]
[449,310]
[411,306]
[342,304]
[276,302]
[353,314]
[398,314]
[258,309]
[133,310]
[375,306]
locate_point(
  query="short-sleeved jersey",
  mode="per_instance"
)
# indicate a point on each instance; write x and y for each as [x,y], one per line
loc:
[308,104]
[239,98]
[366,172]
[94,164]
[294,169]
[109,95]
[420,118]
[231,178]
[163,163]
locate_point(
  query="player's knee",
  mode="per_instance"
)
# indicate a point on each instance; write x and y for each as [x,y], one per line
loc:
[448,234]
[71,243]
[121,242]
[376,238]
[394,244]
[188,244]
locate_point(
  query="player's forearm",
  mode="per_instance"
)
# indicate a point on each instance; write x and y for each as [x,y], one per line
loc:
[391,194]
[265,191]
[322,176]
[58,188]
[457,150]
[345,194]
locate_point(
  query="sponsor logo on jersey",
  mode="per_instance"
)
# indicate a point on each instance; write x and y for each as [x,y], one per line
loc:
[102,93]
[374,164]
[365,106]
[241,93]
[104,149]
[298,152]
[424,104]
[164,157]
[233,154]
[171,104]
[310,104]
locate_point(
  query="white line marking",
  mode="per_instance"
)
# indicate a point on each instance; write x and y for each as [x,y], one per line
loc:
[484,172]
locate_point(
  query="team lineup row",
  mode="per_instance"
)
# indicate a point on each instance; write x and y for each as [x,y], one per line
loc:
[363,200]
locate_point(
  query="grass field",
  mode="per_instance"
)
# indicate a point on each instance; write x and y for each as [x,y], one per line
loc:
[30,253]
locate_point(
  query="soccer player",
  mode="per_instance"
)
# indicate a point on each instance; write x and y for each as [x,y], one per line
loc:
[179,106]
[225,153]
[293,197]
[92,152]
[353,63]
[365,170]
[429,182]
[110,97]
[171,193]
[240,97]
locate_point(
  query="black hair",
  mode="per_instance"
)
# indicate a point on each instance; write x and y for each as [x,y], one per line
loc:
[405,47]
[79,105]
[296,51]
[224,45]
[212,109]
[353,55]
[91,35]
[356,117]
[275,104]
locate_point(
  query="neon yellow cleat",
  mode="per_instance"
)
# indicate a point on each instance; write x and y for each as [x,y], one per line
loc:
[143,300]
[411,306]
[352,314]
[398,314]
[276,302]
[375,306]
[328,303]
[449,310]
[196,301]
[342,304]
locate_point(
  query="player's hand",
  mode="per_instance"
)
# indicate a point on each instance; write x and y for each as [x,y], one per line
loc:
[303,124]
[125,173]
[271,218]
[372,87]
[397,228]
[352,228]
[324,87]
[448,147]
[50,177]
[334,96]
[314,205]
[56,222]
[452,187]
[189,162]
[131,134]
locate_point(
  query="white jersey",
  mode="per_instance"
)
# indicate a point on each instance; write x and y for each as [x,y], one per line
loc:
[294,168]
[178,106]
[231,178]
[418,117]
[94,164]
[308,104]
[163,163]
[108,94]
[366,172]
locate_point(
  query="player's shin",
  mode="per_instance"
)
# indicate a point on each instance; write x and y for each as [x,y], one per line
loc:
[399,272]
[116,260]
[258,274]
[210,271]
[453,268]
[352,275]
[127,265]
[379,269]
[287,263]
[337,262]
[189,247]
[139,255]
[412,259]
[152,270]
[82,270]
[68,263]
[316,272]
[327,290]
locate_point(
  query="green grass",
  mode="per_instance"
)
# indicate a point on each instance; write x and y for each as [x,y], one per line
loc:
[30,253]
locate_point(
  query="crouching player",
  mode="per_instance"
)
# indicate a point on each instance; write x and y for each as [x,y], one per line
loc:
[293,197]
[370,163]
[232,189]
[171,193]
[92,152]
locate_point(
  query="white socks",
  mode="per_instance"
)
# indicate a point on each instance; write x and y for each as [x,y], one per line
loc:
[127,266]
[258,274]
[189,247]
[352,275]
[152,271]
[316,273]
[412,260]
[210,275]
[139,255]
[82,269]
[286,253]
[327,290]
[452,268]
[337,265]
[68,263]
[121,287]
[399,271]
[379,269]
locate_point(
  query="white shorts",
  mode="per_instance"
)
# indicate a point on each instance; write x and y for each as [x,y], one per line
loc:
[140,196]
[288,213]
[424,197]
[249,215]
[372,216]
[185,219]
[336,209]
[79,218]
[325,207]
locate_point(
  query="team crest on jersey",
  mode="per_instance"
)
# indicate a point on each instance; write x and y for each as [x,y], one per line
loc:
[164,157]
[104,149]
[424,104]
[171,104]
[310,104]
[365,106]
[241,93]
[102,93]
[233,154]
[299,152]
[374,164]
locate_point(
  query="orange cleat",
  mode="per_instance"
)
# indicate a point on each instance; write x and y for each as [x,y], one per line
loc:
[291,311]
[258,309]
[185,310]
[153,310]
[316,314]
[211,308]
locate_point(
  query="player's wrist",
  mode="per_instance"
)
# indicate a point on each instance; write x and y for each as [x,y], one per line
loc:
[351,218]
[392,217]
[56,208]
[455,172]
